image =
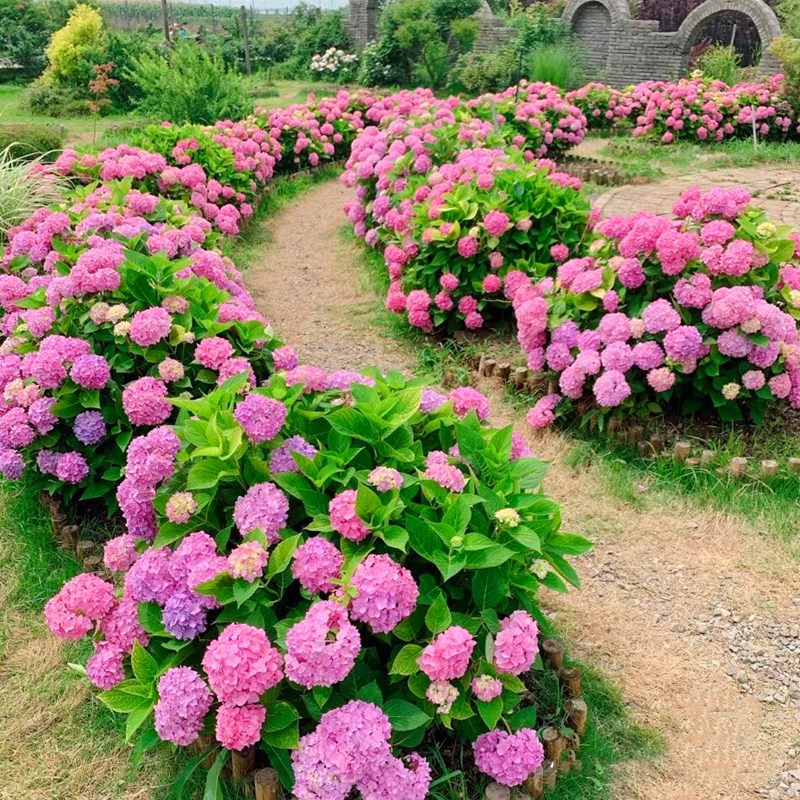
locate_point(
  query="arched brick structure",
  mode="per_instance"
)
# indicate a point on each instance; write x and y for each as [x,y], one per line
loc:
[632,50]
[759,12]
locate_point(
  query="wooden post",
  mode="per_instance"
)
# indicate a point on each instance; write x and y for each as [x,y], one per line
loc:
[553,743]
[737,467]
[267,785]
[644,447]
[242,762]
[481,364]
[165,17]
[488,367]
[657,442]
[707,458]
[520,376]
[503,371]
[794,465]
[635,432]
[553,652]
[534,784]
[245,39]
[693,462]
[682,450]
[549,775]
[571,679]
[769,468]
[576,710]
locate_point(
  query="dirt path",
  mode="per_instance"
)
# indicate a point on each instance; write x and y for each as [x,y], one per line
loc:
[310,287]
[690,612]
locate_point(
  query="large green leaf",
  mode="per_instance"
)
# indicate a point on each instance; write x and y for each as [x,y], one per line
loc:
[405,716]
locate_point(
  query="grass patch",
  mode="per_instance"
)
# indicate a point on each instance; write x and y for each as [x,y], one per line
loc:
[644,158]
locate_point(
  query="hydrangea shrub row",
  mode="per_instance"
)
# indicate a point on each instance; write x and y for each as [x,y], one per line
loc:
[691,109]
[329,566]
[692,311]
[458,195]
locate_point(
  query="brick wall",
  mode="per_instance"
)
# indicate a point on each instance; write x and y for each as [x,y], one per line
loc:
[621,50]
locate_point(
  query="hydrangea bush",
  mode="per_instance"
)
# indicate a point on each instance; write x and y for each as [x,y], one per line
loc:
[107,307]
[458,196]
[696,310]
[333,566]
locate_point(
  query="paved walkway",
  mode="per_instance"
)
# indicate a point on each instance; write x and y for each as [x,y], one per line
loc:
[777,191]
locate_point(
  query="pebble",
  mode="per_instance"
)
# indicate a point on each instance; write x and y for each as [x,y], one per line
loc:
[786,782]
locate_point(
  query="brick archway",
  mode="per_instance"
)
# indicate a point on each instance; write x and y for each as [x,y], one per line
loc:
[618,10]
[762,16]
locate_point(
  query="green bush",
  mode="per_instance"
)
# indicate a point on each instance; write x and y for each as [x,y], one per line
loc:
[188,84]
[31,141]
[559,64]
[478,74]
[24,34]
[720,62]
[420,42]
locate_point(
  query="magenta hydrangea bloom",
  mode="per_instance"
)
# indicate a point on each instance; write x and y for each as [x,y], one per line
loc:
[150,326]
[247,561]
[322,648]
[611,388]
[144,402]
[12,464]
[284,358]
[508,758]
[104,667]
[387,593]
[71,468]
[85,596]
[90,371]
[241,664]
[170,370]
[430,400]
[213,352]
[466,399]
[344,520]
[315,563]
[150,578]
[543,413]
[447,657]
[15,430]
[496,223]
[119,553]
[185,615]
[121,625]
[183,702]
[239,726]
[265,507]
[261,417]
[517,643]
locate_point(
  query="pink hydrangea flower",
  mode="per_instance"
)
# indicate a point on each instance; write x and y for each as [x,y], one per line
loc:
[439,469]
[144,402]
[516,644]
[183,702]
[315,563]
[466,399]
[90,371]
[181,507]
[150,326]
[241,664]
[239,727]
[344,520]
[486,688]
[386,593]
[265,507]
[384,479]
[447,657]
[261,417]
[213,352]
[322,648]
[508,758]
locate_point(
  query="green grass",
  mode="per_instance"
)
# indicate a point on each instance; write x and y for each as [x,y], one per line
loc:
[645,158]
[79,129]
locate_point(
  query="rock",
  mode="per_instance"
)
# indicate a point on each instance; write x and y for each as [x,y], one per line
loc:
[496,791]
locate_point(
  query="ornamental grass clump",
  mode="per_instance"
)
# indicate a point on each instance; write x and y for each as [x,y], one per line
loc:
[692,312]
[337,607]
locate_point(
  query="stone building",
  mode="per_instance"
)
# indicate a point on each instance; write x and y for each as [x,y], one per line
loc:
[621,50]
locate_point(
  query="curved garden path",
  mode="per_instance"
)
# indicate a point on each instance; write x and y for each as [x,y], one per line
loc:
[691,612]
[777,190]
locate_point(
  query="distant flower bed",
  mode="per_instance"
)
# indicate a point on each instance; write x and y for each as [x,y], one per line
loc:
[458,197]
[698,312]
[691,109]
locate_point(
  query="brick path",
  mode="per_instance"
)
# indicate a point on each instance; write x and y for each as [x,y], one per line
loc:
[775,190]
